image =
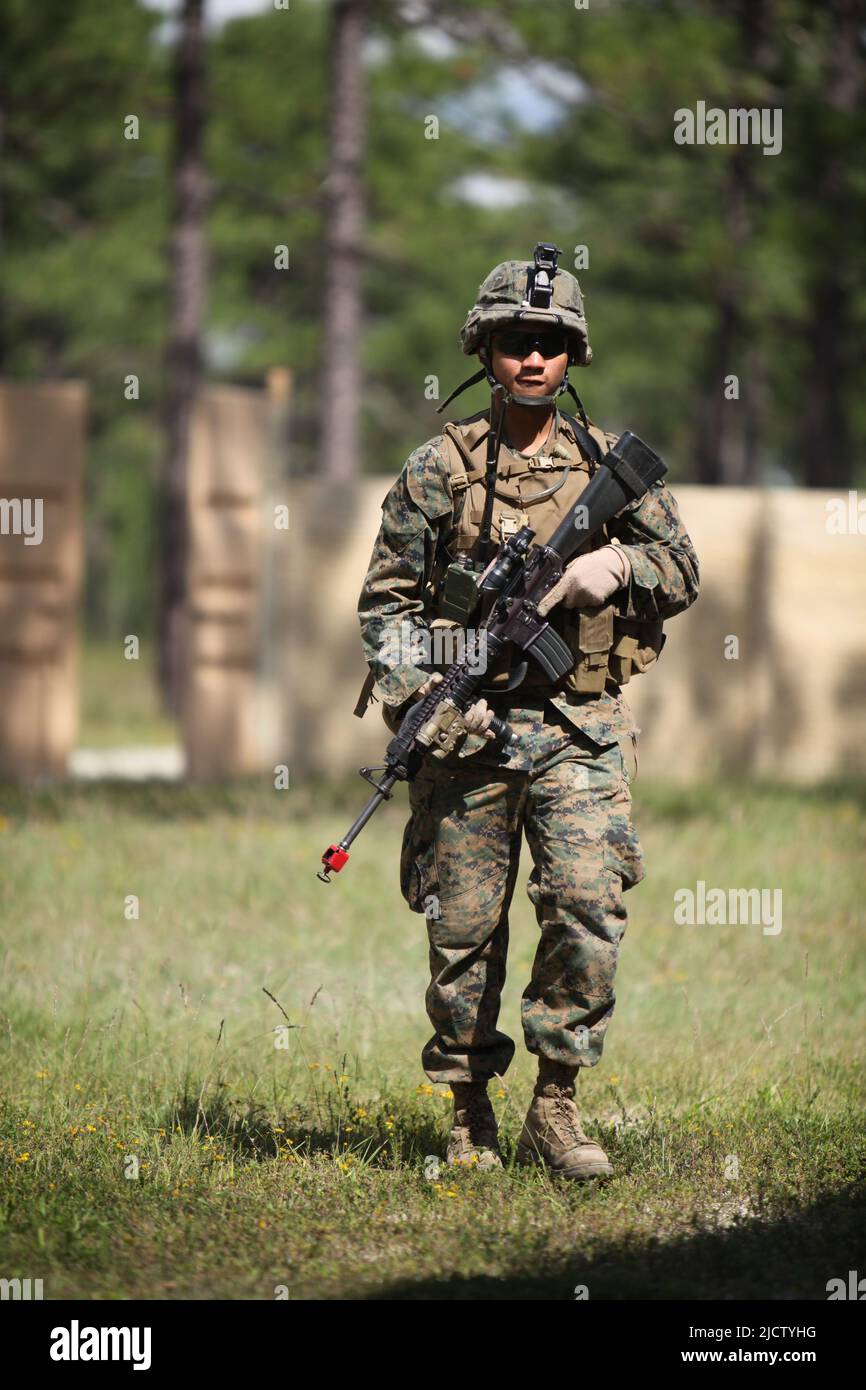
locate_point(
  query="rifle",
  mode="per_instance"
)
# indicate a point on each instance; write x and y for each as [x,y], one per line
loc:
[518,578]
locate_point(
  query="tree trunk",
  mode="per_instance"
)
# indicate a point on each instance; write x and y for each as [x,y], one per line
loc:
[332,511]
[719,446]
[728,441]
[183,357]
[826,431]
[344,211]
[2,285]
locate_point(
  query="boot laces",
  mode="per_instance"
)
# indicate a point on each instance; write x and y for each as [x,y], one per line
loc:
[565,1110]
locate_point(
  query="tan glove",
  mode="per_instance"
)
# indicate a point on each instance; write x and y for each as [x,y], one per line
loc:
[589,579]
[477,717]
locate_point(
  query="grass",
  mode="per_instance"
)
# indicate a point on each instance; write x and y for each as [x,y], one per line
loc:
[159,1139]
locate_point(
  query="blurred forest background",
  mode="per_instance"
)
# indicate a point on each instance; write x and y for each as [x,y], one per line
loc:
[553,123]
[158,933]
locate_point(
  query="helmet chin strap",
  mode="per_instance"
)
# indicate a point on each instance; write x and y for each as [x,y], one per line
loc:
[510,397]
[507,397]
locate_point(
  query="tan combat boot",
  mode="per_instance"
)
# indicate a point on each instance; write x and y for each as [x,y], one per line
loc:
[551,1132]
[473,1142]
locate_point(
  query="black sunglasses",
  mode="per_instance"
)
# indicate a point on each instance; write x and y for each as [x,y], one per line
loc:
[517,343]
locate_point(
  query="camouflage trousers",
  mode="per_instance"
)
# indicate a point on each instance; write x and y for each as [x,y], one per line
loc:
[459,864]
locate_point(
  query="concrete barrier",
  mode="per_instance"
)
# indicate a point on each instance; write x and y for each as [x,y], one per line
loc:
[226,731]
[42,433]
[766,674]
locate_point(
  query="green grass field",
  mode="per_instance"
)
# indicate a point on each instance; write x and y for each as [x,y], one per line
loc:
[159,1139]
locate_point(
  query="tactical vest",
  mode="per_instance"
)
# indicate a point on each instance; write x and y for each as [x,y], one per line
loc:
[537,492]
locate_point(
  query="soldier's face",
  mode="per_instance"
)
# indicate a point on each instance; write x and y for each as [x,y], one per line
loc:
[529,364]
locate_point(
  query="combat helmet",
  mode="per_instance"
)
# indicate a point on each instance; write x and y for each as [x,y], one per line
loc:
[526,294]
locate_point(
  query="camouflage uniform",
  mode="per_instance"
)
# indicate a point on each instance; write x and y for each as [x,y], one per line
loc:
[566,784]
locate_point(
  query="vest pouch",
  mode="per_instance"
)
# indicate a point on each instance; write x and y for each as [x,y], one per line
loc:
[590,636]
[637,646]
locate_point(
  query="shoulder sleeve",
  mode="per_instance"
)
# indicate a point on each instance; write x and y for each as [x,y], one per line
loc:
[393,604]
[665,577]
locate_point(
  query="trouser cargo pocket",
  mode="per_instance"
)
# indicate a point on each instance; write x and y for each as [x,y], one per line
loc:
[418,881]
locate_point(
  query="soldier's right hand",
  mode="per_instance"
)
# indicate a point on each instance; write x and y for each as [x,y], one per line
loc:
[589,580]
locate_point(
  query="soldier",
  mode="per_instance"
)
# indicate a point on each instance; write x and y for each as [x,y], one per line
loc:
[565,781]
